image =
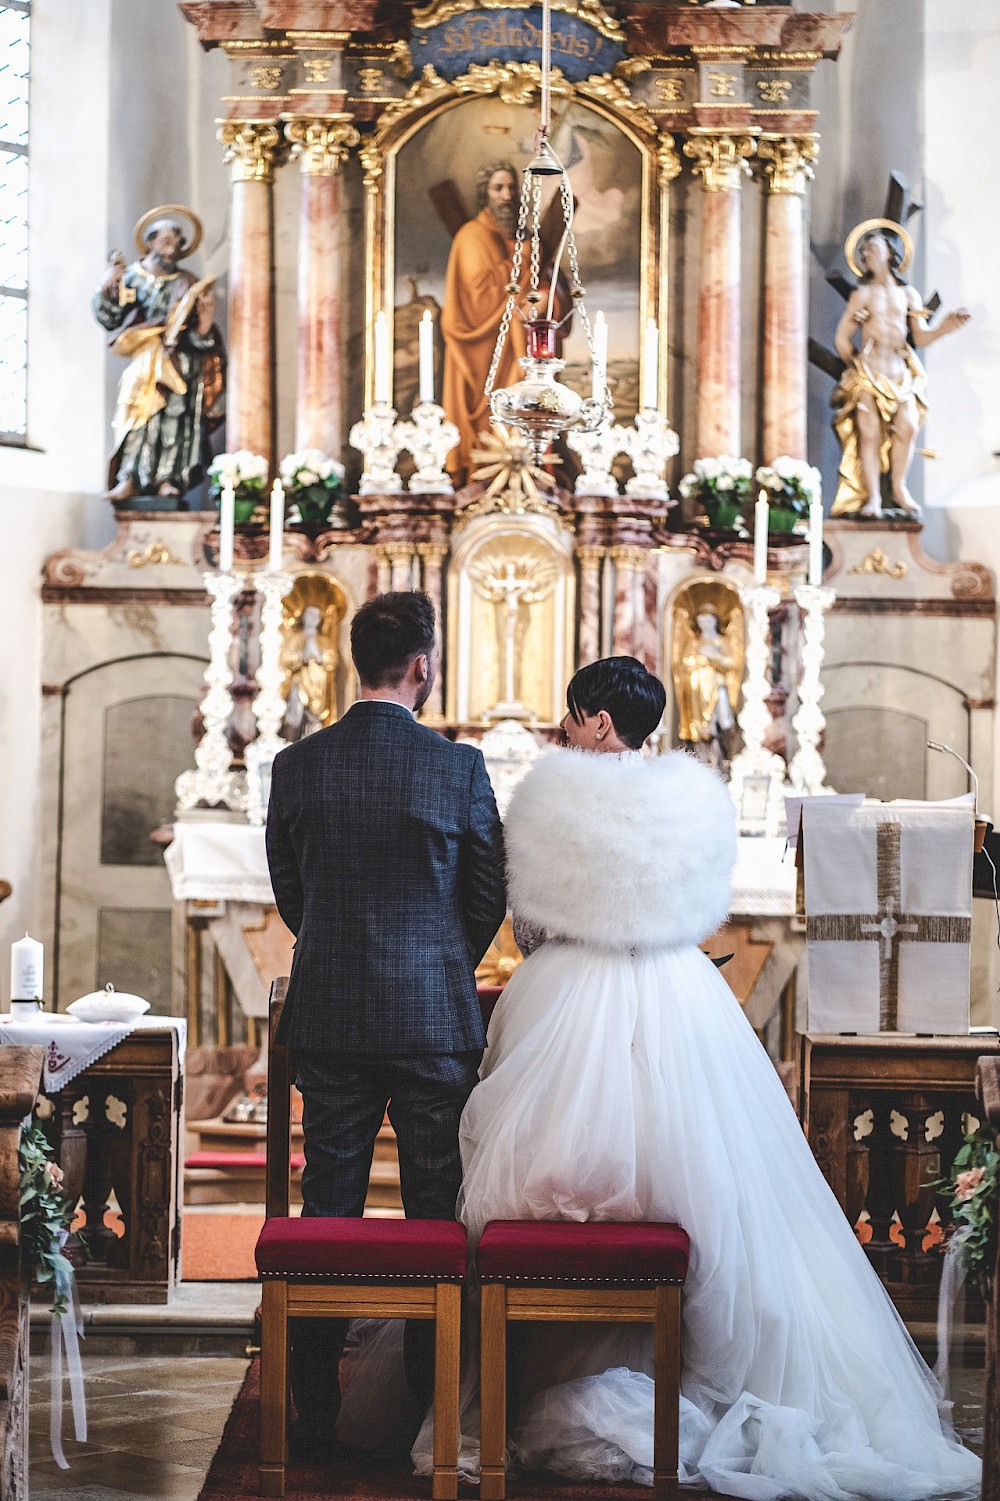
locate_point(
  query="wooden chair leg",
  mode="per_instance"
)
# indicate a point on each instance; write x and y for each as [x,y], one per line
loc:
[667,1376]
[273,1388]
[493,1393]
[447,1372]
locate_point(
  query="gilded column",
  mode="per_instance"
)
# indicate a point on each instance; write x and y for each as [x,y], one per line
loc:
[321,145]
[630,564]
[787,168]
[432,556]
[251,147]
[590,560]
[720,159]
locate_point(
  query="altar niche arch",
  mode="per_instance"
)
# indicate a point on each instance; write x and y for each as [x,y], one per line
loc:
[536,551]
[419,179]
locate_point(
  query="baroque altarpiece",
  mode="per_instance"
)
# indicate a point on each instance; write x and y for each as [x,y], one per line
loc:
[691,136]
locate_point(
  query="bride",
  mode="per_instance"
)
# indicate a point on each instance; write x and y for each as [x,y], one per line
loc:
[622,1081]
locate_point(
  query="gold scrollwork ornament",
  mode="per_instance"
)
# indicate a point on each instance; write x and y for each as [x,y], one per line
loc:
[877,562]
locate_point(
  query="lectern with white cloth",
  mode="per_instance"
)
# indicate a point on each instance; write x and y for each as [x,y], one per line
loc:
[888,903]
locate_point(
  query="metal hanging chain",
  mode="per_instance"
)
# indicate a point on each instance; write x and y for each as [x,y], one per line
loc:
[513,287]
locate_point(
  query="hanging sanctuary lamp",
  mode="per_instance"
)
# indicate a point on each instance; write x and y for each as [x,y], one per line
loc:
[538,405]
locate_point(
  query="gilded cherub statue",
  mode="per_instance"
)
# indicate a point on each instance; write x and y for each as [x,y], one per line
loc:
[707,660]
[880,400]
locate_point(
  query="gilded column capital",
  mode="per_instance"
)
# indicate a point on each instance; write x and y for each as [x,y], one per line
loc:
[787,162]
[719,158]
[322,142]
[590,556]
[251,147]
[433,553]
[397,552]
[668,160]
[630,558]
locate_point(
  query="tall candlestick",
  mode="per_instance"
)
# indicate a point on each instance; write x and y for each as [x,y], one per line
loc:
[227,525]
[426,350]
[600,375]
[816,542]
[760,539]
[27,967]
[276,541]
[651,367]
[383,385]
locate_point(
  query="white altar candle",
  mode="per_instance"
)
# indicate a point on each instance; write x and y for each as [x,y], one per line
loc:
[227,522]
[27,964]
[816,542]
[383,387]
[651,367]
[600,375]
[760,539]
[426,356]
[276,540]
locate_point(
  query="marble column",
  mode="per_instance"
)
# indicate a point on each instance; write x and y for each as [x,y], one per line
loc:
[590,560]
[787,167]
[251,147]
[668,169]
[400,556]
[384,570]
[720,159]
[630,563]
[321,145]
[432,556]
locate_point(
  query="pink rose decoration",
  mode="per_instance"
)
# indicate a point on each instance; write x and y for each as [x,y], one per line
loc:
[966,1184]
[54,1173]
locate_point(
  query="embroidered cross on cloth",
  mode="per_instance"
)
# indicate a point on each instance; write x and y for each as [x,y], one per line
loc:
[888,898]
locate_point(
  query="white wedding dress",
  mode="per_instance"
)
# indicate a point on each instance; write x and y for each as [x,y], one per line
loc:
[624,1083]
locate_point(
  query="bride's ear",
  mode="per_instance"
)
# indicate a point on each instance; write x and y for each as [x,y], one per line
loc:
[605,725]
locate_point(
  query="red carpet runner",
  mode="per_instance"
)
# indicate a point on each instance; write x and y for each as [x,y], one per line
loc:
[233,1474]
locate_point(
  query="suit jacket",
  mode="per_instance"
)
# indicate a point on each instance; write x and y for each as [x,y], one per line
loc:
[386,858]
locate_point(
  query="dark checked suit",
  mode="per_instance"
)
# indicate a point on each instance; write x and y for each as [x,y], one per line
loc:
[386,859]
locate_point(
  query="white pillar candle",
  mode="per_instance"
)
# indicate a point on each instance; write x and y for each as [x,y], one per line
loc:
[760,540]
[816,542]
[27,965]
[383,385]
[227,524]
[276,540]
[651,367]
[426,350]
[600,375]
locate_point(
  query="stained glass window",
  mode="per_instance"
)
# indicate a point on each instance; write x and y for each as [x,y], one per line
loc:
[15,21]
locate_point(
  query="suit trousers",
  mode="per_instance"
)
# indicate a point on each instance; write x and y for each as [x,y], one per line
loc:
[344,1099]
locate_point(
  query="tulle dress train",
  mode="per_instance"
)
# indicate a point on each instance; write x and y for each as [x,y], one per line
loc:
[619,1087]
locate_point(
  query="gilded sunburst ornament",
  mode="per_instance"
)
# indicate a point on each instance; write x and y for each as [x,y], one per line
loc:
[506,465]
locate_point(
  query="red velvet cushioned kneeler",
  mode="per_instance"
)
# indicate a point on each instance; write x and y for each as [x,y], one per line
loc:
[567,1252]
[223,1161]
[363,1250]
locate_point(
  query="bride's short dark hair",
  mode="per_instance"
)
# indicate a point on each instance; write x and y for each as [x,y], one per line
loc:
[622,686]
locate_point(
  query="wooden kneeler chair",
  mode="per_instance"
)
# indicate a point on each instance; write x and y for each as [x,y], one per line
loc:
[349,1268]
[567,1271]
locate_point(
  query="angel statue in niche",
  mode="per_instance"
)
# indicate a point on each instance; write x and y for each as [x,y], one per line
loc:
[707,668]
[310,655]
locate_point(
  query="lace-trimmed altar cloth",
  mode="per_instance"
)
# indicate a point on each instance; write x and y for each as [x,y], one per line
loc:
[219,861]
[72,1046]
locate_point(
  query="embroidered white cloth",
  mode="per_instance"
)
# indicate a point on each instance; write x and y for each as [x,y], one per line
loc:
[888,896]
[71,1046]
[220,862]
[763,879]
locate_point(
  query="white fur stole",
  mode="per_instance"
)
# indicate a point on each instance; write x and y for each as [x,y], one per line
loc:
[621,852]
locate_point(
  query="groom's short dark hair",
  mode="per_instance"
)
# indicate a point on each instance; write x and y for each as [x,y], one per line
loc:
[623,687]
[388,632]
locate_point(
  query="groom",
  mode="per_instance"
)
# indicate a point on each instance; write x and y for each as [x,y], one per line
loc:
[386,859]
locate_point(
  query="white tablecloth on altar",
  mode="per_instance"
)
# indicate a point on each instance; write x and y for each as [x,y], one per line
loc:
[72,1046]
[219,862]
[764,879]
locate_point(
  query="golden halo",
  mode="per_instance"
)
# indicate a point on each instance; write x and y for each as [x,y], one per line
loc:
[851,243]
[169,211]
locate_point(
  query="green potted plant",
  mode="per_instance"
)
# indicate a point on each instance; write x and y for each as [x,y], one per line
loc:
[247,473]
[719,490]
[312,483]
[792,485]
